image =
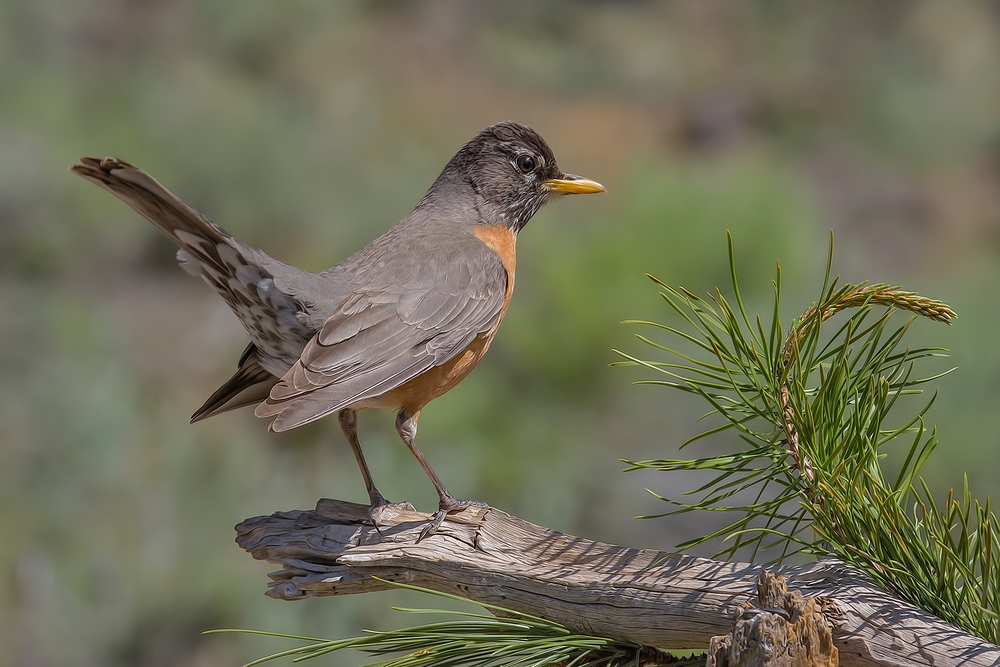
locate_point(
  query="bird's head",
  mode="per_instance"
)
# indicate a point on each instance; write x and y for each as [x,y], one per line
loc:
[512,172]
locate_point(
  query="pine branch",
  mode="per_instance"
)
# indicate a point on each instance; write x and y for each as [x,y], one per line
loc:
[812,416]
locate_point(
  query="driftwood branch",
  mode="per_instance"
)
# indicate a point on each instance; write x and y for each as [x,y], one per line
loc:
[638,595]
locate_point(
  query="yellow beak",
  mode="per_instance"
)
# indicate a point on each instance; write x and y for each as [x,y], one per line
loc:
[572,185]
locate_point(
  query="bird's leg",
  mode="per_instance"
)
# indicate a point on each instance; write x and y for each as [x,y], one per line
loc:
[349,424]
[406,426]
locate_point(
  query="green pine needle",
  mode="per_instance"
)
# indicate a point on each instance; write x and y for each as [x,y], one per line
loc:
[512,639]
[813,417]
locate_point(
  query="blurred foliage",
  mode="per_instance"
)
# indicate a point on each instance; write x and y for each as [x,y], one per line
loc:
[309,127]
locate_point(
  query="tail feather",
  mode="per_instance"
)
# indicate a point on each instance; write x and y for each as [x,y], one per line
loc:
[249,386]
[182,223]
[261,291]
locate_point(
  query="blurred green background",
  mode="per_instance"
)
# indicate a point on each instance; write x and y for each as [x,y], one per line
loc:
[308,128]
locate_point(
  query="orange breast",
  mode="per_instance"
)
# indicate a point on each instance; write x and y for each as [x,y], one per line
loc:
[501,240]
[421,390]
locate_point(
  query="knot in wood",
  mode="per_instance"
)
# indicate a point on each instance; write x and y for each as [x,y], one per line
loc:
[785,629]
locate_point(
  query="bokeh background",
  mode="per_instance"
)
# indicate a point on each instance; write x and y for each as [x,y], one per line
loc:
[306,129]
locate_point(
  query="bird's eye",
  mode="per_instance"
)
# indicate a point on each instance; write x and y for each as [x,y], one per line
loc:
[525,163]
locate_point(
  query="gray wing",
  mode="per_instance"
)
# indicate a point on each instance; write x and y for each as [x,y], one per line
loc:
[409,319]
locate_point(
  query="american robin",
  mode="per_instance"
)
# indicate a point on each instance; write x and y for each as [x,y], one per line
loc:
[395,325]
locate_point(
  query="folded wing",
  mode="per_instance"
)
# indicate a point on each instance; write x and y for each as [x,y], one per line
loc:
[399,322]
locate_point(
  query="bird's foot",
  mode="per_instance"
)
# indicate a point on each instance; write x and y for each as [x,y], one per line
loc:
[447,506]
[380,505]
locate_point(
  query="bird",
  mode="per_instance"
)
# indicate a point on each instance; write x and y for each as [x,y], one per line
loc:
[395,325]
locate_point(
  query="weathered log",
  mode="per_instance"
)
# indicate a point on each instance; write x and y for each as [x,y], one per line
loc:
[638,595]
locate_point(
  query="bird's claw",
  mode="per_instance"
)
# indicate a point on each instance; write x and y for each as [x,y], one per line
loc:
[447,507]
[380,505]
